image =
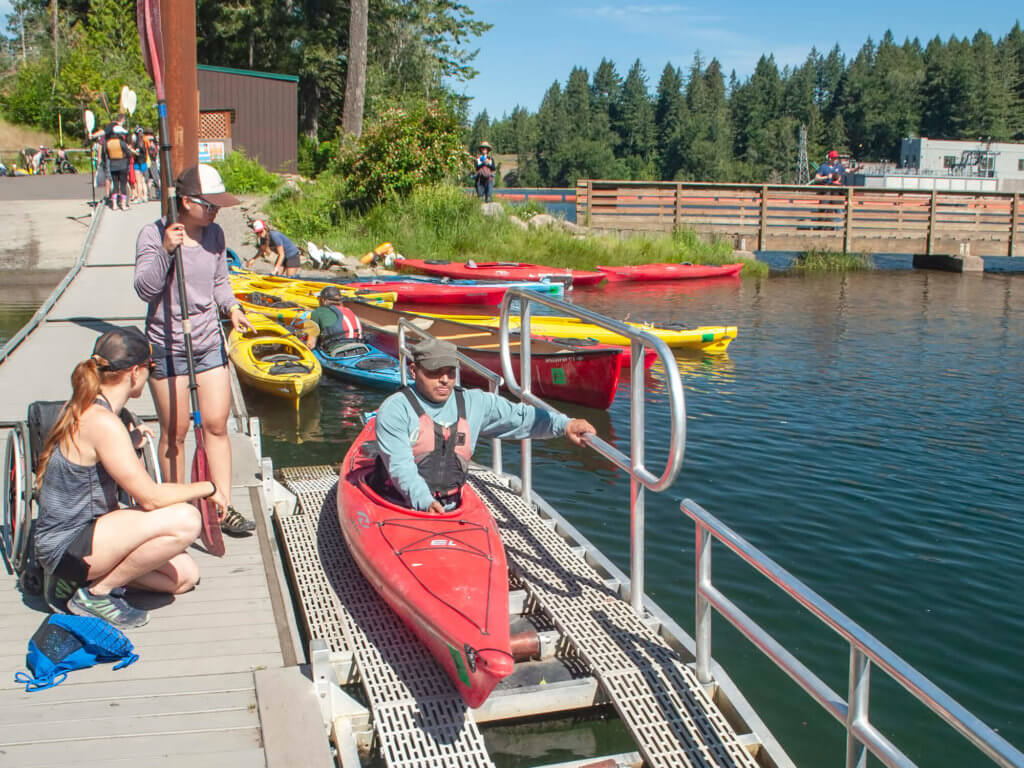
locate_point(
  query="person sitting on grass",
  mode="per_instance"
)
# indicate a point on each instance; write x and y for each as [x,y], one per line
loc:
[89,547]
[332,322]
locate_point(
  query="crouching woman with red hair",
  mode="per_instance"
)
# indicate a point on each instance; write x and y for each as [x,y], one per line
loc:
[91,548]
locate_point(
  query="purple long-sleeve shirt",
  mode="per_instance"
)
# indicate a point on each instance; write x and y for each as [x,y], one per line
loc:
[206,284]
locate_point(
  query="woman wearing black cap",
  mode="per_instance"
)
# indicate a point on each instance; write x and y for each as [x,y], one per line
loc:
[201,195]
[89,547]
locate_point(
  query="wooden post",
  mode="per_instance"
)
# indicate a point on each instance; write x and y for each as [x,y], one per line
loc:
[590,199]
[848,220]
[178,24]
[931,225]
[762,234]
[679,206]
[1014,223]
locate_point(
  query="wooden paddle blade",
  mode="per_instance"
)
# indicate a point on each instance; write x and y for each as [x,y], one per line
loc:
[210,534]
[151,42]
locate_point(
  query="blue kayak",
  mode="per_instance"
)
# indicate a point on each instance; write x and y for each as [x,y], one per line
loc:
[358,363]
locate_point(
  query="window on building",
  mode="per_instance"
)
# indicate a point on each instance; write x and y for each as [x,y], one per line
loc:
[987,166]
[949,161]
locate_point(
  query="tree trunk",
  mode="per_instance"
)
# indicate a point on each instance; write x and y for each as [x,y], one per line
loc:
[355,81]
[310,112]
[56,50]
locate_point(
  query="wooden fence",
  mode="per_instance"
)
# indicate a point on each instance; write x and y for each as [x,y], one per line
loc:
[769,217]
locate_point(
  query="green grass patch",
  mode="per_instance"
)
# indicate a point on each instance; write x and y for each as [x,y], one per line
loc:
[831,261]
[245,176]
[443,222]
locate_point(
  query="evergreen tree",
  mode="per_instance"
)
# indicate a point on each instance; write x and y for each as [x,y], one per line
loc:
[553,129]
[604,99]
[635,124]
[669,119]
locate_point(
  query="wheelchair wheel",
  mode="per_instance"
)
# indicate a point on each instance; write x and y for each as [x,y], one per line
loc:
[17,493]
[147,454]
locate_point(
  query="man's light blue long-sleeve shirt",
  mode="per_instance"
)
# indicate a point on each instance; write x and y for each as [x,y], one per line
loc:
[489,415]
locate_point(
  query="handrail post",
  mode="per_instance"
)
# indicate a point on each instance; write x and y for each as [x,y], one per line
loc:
[525,383]
[931,225]
[857,707]
[762,233]
[637,511]
[496,466]
[702,625]
[1014,223]
[848,220]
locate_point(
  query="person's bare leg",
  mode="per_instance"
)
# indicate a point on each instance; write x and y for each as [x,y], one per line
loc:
[177,576]
[215,406]
[172,408]
[128,543]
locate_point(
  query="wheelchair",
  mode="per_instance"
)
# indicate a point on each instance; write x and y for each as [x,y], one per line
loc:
[20,504]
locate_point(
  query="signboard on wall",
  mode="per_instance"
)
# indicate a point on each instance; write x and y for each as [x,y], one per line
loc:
[210,151]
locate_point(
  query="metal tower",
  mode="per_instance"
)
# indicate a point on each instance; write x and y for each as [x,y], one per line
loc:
[803,172]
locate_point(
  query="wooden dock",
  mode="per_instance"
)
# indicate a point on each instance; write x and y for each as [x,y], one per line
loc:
[776,217]
[215,665]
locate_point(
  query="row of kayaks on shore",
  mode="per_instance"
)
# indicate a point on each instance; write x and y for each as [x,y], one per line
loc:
[571,361]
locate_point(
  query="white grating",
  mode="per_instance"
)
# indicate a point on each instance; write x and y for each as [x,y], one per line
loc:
[658,698]
[419,719]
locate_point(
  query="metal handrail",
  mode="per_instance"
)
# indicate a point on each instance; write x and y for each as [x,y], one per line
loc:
[865,651]
[640,476]
[494,381]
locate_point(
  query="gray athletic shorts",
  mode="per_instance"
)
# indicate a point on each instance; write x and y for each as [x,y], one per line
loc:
[177,365]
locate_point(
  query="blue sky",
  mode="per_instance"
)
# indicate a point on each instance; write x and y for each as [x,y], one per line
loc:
[534,43]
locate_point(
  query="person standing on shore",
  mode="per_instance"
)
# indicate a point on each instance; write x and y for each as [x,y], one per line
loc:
[201,195]
[485,172]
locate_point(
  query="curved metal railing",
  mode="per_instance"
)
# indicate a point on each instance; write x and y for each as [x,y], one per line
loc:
[865,651]
[640,477]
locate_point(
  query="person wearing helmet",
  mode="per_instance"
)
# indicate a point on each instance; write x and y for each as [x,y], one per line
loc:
[484,172]
[283,251]
[831,171]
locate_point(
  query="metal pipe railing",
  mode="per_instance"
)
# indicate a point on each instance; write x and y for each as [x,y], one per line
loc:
[494,381]
[865,651]
[640,477]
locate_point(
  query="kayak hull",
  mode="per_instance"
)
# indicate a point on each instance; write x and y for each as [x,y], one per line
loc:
[438,293]
[444,576]
[572,374]
[500,270]
[372,368]
[668,271]
[273,361]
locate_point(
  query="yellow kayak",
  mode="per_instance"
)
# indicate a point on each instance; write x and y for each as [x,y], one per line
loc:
[273,360]
[302,292]
[713,340]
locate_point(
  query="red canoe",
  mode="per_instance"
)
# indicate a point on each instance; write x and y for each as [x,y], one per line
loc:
[438,293]
[499,270]
[670,271]
[586,376]
[445,576]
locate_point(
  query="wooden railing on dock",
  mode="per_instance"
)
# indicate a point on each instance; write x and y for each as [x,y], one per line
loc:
[770,217]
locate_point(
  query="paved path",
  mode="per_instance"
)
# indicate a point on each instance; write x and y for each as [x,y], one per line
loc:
[44,220]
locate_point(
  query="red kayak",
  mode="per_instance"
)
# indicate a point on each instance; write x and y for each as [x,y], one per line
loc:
[438,293]
[445,576]
[586,376]
[670,271]
[499,270]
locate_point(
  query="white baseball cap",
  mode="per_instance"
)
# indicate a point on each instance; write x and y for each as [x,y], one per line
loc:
[258,226]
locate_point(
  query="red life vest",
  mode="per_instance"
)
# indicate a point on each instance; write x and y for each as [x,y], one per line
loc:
[345,326]
[442,454]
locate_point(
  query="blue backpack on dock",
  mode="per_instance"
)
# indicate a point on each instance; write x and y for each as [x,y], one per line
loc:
[65,643]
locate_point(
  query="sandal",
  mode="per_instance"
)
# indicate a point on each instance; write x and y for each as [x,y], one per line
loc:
[234,524]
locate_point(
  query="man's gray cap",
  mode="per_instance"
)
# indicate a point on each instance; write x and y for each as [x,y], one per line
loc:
[433,354]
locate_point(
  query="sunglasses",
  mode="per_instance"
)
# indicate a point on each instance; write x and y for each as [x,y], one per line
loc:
[208,207]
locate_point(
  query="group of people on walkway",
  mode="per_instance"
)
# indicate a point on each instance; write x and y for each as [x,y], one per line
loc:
[92,549]
[126,163]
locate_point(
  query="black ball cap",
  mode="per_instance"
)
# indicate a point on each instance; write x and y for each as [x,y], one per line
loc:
[121,348]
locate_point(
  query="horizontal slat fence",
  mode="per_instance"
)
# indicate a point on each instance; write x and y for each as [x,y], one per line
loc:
[799,218]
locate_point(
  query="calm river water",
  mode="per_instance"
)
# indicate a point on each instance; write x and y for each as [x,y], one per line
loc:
[866,432]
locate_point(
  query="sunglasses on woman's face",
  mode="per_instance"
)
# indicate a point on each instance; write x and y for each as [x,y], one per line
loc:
[208,207]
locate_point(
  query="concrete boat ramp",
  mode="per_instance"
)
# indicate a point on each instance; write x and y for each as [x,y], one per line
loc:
[284,656]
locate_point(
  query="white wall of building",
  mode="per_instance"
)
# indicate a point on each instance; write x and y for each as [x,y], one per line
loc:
[935,156]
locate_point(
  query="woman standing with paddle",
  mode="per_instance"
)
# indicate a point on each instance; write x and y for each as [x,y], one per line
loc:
[200,195]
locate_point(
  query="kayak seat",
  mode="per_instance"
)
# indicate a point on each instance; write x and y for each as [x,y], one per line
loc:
[375,364]
[350,348]
[588,342]
[267,300]
[279,369]
[369,448]
[282,357]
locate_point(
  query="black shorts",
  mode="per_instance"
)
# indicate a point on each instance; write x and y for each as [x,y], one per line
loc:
[72,566]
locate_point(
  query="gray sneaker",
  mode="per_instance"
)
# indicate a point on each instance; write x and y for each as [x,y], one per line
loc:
[113,608]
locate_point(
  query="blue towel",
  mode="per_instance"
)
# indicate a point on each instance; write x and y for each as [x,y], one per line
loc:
[65,643]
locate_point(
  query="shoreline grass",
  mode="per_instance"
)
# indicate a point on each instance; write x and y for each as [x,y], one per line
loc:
[832,261]
[443,222]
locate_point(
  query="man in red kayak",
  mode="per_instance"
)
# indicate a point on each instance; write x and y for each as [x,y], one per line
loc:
[425,436]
